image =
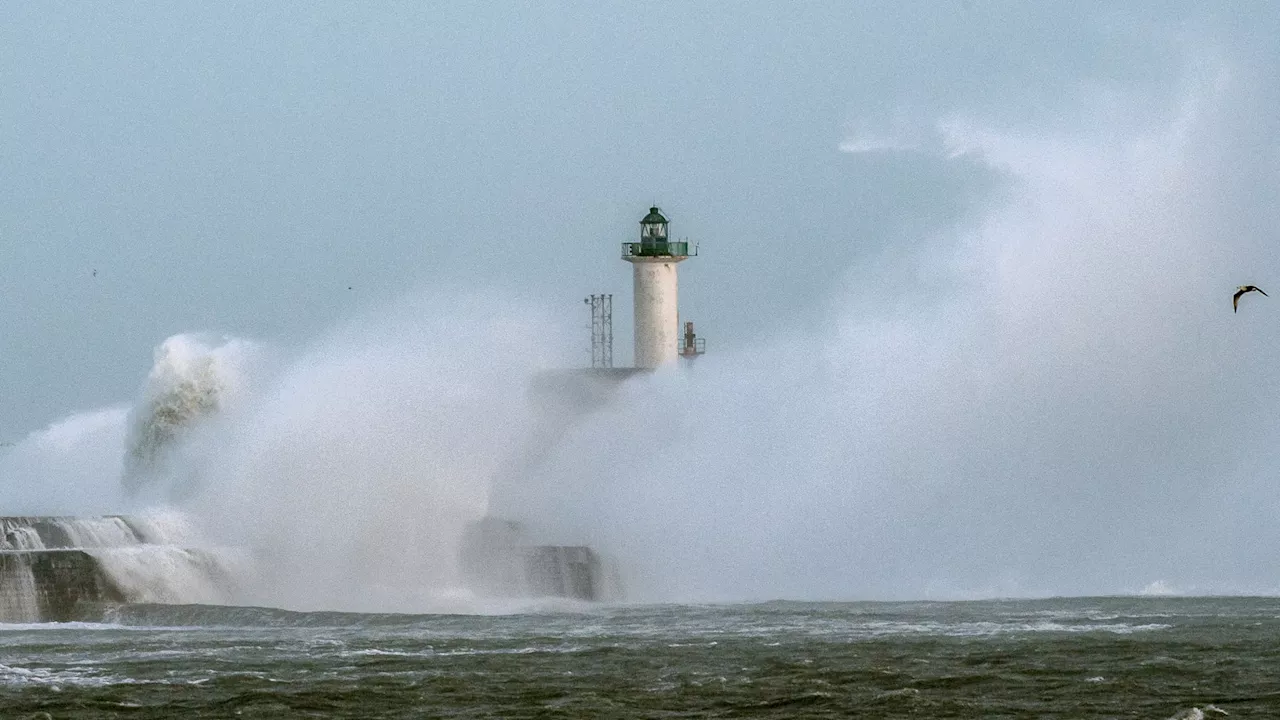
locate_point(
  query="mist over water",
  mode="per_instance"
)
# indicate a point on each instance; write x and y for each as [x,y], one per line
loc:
[72,467]
[1056,399]
[1051,398]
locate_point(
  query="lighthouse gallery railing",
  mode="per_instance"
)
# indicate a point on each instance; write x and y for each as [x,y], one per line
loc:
[656,248]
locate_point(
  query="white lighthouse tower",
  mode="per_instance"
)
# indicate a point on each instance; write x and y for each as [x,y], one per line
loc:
[657,316]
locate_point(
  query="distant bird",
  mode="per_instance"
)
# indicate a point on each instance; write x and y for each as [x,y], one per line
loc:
[95,273]
[1235,299]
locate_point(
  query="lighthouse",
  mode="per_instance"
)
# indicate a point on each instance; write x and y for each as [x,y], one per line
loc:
[657,317]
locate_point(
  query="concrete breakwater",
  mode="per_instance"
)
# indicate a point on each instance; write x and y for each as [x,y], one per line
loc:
[57,569]
[52,585]
[51,533]
[499,561]
[54,569]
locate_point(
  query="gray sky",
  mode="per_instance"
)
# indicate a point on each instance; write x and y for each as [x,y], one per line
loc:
[965,278]
[235,167]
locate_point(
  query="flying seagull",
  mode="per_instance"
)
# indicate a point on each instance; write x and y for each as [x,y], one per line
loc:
[1235,299]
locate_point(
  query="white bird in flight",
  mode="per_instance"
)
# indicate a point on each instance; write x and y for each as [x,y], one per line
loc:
[1235,299]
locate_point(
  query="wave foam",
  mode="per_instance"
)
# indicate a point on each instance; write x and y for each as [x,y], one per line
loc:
[191,380]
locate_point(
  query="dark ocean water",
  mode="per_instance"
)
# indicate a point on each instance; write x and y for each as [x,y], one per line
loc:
[1058,658]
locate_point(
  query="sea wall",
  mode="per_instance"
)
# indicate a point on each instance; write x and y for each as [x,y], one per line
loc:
[499,560]
[52,586]
[54,569]
[571,571]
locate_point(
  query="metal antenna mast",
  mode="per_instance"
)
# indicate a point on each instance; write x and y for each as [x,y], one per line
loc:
[601,330]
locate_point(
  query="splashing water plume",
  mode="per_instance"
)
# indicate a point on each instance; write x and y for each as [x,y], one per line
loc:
[190,381]
[1038,410]
[354,472]
[347,475]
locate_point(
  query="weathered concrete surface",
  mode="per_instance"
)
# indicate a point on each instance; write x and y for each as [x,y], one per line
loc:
[53,532]
[52,586]
[657,313]
[498,561]
[571,571]
[58,568]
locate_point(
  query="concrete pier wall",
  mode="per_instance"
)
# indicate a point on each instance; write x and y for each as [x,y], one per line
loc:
[54,569]
[52,585]
[57,569]
[499,561]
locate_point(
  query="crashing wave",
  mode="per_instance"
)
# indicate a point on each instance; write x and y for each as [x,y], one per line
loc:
[190,381]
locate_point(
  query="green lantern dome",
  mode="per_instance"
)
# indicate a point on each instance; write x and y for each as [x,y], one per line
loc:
[653,228]
[654,217]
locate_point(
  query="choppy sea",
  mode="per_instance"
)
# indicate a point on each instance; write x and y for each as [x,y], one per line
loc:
[1055,658]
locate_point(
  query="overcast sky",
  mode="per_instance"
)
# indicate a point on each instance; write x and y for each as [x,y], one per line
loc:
[236,167]
[965,275]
